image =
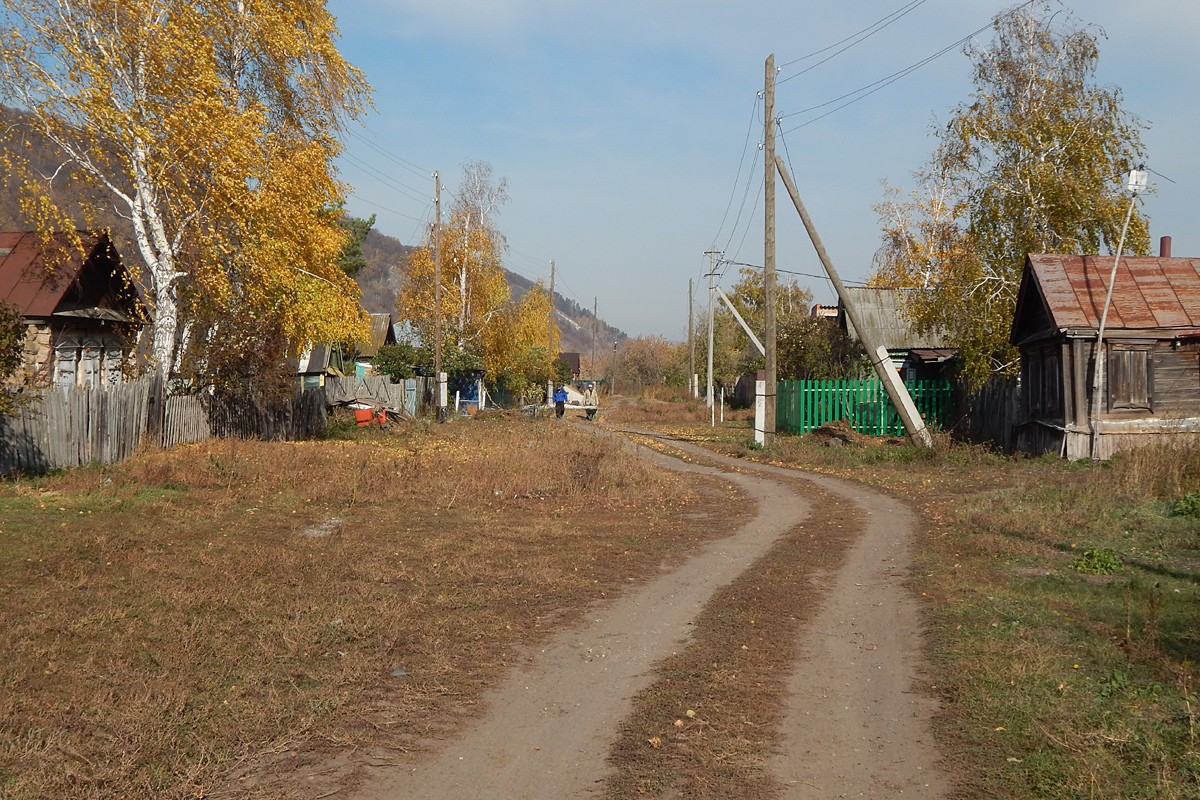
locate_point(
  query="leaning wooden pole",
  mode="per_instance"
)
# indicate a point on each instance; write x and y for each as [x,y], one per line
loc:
[896,390]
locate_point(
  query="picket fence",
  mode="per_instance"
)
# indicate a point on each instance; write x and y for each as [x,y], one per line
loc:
[64,428]
[802,406]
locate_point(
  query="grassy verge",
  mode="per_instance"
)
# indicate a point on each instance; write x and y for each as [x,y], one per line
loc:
[172,623]
[1062,600]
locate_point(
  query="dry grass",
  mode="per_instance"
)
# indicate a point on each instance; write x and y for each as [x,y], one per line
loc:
[659,412]
[173,622]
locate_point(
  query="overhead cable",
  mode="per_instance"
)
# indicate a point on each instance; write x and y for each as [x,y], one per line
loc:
[871,88]
[858,38]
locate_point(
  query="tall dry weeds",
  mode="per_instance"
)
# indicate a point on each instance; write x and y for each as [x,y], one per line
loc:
[168,621]
[1161,471]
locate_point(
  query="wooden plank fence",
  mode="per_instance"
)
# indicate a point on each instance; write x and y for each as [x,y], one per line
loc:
[407,396]
[64,428]
[802,406]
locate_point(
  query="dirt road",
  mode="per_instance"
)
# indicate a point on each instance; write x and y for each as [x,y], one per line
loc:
[854,727]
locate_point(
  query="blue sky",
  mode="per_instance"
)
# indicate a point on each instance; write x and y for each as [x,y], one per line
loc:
[621,127]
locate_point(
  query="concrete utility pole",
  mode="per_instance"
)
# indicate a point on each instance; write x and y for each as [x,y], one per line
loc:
[896,390]
[691,347]
[550,338]
[769,334]
[1135,186]
[439,376]
[712,285]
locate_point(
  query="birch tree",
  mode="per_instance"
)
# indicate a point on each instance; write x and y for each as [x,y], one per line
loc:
[1034,163]
[210,126]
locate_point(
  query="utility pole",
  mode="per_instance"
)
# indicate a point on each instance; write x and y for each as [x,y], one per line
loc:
[712,285]
[691,347]
[896,390]
[550,338]
[595,325]
[1135,186]
[439,376]
[769,334]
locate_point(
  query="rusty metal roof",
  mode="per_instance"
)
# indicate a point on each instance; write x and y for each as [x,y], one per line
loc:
[381,334]
[25,279]
[1148,293]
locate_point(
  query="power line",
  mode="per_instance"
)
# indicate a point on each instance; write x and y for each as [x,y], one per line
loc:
[741,162]
[745,233]
[408,165]
[742,207]
[384,208]
[791,272]
[862,92]
[870,31]
[397,187]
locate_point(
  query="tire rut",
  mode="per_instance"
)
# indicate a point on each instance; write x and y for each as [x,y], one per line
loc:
[548,727]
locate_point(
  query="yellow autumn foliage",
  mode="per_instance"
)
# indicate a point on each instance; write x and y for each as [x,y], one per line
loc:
[211,126]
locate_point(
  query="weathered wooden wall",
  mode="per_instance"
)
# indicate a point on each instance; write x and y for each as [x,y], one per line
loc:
[991,415]
[64,428]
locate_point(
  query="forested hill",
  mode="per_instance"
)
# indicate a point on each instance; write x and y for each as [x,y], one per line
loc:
[574,321]
[387,259]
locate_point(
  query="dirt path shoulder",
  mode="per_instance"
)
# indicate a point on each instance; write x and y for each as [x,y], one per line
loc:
[854,726]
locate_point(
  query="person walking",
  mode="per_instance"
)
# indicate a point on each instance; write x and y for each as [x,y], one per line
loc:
[560,401]
[591,401]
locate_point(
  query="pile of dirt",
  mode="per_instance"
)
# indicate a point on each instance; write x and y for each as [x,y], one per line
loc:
[839,434]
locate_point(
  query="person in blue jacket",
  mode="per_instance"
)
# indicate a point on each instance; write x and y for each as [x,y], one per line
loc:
[560,401]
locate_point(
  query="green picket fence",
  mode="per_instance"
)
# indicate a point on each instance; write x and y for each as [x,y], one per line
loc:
[801,406]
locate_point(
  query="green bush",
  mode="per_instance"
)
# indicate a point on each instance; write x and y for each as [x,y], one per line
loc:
[1097,561]
[1187,506]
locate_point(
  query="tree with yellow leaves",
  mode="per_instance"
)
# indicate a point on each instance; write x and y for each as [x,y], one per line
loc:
[210,125]
[1033,164]
[507,339]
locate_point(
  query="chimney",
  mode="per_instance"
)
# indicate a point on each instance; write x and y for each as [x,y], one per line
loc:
[1164,247]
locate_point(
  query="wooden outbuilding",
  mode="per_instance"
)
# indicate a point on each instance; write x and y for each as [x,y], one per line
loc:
[1150,363]
[81,307]
[916,356]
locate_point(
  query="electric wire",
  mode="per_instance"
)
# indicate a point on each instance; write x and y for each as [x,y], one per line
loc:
[742,207]
[745,233]
[408,165]
[875,86]
[399,188]
[741,162]
[384,208]
[869,31]
[788,154]
[793,272]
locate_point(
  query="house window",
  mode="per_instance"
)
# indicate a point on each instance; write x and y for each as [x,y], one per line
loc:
[1129,378]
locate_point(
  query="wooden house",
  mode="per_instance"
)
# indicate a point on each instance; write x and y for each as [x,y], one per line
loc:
[82,309]
[1149,366]
[917,356]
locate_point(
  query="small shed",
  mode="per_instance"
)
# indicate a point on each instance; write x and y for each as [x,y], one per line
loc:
[917,356]
[1150,364]
[81,307]
[382,332]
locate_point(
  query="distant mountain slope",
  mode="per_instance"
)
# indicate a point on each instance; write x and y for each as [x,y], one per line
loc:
[575,323]
[380,279]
